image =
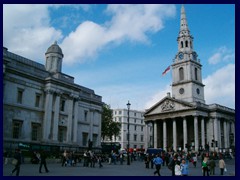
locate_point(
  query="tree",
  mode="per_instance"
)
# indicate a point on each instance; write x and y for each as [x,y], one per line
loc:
[110,128]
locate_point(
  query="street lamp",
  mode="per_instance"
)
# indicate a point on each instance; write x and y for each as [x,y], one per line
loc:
[128,159]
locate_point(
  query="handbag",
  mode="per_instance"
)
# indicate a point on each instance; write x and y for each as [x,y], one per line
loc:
[14,162]
[225,169]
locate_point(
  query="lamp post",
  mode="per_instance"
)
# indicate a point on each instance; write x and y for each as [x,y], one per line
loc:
[128,159]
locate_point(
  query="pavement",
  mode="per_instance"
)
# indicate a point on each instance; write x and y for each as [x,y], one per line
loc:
[136,168]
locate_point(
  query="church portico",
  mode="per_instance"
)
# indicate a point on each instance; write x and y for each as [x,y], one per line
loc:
[178,132]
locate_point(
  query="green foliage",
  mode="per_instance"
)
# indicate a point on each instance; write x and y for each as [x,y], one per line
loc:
[109,127]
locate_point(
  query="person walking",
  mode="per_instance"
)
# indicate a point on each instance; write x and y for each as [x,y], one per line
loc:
[18,158]
[147,161]
[172,164]
[222,165]
[184,168]
[64,158]
[43,157]
[212,166]
[178,170]
[205,166]
[158,162]
[194,160]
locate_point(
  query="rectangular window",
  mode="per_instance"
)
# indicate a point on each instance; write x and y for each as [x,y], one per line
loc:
[135,128]
[135,114]
[142,137]
[134,146]
[135,137]
[119,112]
[85,115]
[119,138]
[62,105]
[141,121]
[85,139]
[35,131]
[17,129]
[128,137]
[135,120]
[62,134]
[142,128]
[120,119]
[37,100]
[95,136]
[19,96]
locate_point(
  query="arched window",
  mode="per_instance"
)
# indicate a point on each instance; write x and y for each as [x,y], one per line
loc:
[196,74]
[186,43]
[181,74]
[181,44]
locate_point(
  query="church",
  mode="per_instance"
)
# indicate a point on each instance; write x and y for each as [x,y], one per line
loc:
[44,109]
[183,121]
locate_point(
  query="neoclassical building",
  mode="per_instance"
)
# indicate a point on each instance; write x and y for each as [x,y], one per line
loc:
[44,107]
[183,120]
[137,129]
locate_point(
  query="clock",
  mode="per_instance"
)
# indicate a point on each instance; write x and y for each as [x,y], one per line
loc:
[181,90]
[194,56]
[180,55]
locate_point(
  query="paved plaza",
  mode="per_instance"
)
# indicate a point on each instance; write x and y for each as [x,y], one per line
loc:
[136,168]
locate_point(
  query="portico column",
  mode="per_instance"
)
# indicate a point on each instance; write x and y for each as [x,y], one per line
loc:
[99,130]
[56,117]
[174,135]
[75,122]
[91,124]
[47,115]
[196,133]
[219,134]
[225,134]
[215,127]
[184,133]
[164,135]
[155,134]
[69,124]
[203,132]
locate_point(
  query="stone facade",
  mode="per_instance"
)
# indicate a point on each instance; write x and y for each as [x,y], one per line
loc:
[184,121]
[140,133]
[43,106]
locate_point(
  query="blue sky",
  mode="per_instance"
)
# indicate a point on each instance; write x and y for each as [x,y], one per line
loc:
[120,51]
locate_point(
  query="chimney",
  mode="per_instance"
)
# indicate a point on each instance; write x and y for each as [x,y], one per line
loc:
[168,94]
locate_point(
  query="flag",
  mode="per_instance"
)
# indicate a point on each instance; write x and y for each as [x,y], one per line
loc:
[166,70]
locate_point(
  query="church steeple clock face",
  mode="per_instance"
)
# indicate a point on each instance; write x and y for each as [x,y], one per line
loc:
[186,68]
[180,56]
[194,56]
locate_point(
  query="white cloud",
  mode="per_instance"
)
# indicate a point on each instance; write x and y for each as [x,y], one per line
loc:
[222,55]
[26,30]
[220,87]
[129,23]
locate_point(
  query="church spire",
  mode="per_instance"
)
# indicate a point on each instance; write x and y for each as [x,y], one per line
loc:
[185,40]
[184,24]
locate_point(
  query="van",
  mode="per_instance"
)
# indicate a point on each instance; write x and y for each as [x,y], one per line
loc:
[154,151]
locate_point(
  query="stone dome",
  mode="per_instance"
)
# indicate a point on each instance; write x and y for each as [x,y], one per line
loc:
[54,48]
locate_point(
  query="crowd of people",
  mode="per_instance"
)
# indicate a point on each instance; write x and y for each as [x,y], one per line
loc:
[176,162]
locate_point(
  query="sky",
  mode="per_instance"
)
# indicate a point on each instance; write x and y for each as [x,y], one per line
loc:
[120,51]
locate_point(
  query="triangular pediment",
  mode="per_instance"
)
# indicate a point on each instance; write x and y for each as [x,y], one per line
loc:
[169,104]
